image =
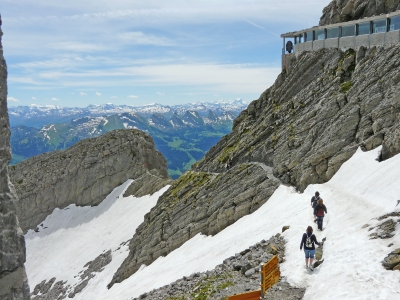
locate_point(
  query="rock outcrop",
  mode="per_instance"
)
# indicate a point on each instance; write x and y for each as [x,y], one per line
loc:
[302,129]
[392,261]
[13,280]
[326,105]
[197,202]
[347,10]
[237,274]
[85,173]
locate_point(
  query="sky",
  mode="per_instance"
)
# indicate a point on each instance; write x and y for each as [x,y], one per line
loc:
[75,53]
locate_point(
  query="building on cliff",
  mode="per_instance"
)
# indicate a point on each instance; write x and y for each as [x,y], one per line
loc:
[367,32]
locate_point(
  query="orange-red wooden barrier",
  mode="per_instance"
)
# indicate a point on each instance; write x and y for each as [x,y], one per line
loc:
[270,274]
[247,296]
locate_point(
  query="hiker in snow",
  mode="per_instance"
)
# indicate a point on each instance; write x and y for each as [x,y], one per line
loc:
[308,241]
[314,200]
[319,212]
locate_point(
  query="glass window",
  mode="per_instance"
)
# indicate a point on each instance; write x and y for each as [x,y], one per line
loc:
[394,23]
[348,30]
[379,26]
[320,34]
[300,38]
[363,28]
[332,33]
[309,36]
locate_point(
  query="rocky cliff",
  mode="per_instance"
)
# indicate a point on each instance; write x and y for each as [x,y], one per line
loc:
[347,10]
[301,130]
[326,105]
[197,202]
[85,173]
[13,280]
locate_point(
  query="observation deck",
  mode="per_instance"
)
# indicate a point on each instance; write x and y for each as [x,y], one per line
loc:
[368,32]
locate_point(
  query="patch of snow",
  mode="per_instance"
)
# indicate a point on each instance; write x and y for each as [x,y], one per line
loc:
[362,190]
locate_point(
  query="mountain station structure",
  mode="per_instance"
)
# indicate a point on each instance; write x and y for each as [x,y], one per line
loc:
[367,32]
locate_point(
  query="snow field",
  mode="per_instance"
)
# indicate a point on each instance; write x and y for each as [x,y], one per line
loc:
[77,235]
[362,190]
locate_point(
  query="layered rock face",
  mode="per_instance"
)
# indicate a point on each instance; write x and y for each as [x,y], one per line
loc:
[347,10]
[85,173]
[197,202]
[326,105]
[13,280]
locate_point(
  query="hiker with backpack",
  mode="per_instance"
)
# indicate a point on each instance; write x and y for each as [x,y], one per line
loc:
[320,211]
[308,240]
[314,200]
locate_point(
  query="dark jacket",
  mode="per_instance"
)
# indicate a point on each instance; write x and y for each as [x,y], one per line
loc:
[314,201]
[320,206]
[313,240]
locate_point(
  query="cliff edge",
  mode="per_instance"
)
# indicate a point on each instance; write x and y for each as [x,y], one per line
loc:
[86,173]
[326,105]
[13,280]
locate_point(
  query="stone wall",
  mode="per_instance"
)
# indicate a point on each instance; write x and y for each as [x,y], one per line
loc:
[13,280]
[85,173]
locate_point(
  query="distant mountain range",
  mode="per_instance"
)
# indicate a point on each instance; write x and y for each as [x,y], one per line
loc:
[183,133]
[39,115]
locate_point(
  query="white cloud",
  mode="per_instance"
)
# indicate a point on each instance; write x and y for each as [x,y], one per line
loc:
[140,38]
[155,12]
[55,99]
[33,98]
[78,47]
[82,94]
[12,99]
[211,77]
[133,96]
[114,97]
[216,95]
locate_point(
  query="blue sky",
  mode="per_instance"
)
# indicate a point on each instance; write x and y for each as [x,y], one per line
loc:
[76,53]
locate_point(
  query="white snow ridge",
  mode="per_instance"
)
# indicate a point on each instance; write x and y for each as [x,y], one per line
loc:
[362,190]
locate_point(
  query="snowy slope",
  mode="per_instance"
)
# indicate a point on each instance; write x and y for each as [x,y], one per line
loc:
[362,190]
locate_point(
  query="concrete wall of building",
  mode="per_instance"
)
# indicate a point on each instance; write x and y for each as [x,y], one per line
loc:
[347,42]
[368,40]
[319,44]
[332,43]
[377,39]
[392,37]
[308,46]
